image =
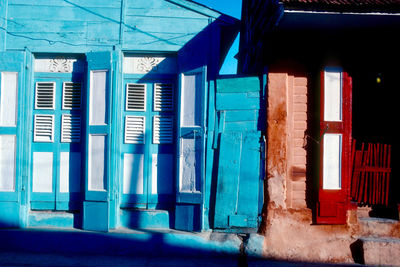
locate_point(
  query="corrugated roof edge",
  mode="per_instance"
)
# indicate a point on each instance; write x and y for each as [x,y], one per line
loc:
[390,6]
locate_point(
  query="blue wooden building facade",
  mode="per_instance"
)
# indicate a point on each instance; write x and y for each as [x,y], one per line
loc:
[112,115]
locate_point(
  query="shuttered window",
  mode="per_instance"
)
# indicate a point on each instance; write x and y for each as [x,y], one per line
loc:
[162,129]
[44,95]
[71,98]
[163,97]
[134,129]
[70,128]
[135,97]
[44,128]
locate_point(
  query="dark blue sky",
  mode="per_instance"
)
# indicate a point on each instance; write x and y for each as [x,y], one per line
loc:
[232,8]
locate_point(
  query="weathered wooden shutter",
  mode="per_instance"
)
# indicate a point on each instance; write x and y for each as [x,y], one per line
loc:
[190,147]
[335,146]
[239,153]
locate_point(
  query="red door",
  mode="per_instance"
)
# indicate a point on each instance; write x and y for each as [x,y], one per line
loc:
[335,146]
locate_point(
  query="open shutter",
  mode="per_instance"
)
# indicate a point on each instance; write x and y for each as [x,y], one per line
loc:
[335,146]
[11,98]
[191,142]
[98,124]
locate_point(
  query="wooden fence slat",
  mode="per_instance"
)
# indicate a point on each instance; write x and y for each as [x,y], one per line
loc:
[370,174]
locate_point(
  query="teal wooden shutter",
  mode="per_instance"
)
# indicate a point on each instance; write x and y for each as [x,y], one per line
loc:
[11,97]
[96,208]
[239,174]
[191,148]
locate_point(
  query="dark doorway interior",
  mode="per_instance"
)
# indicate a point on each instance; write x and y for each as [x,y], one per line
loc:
[375,120]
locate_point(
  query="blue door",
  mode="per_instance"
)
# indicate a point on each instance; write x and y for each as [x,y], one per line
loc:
[56,144]
[191,147]
[147,151]
[11,98]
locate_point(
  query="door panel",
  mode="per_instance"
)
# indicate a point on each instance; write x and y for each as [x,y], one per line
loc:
[56,144]
[335,131]
[12,96]
[147,149]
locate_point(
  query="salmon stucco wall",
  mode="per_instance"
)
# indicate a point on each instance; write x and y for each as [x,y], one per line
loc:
[286,126]
[288,227]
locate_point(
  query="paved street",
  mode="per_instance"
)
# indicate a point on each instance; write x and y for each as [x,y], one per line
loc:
[12,259]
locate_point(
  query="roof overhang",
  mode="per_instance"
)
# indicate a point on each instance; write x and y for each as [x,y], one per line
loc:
[318,20]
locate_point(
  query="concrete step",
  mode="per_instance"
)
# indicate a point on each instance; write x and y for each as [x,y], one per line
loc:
[377,251]
[379,227]
[146,218]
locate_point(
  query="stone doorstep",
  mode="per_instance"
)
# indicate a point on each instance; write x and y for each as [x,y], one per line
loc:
[380,251]
[377,227]
[122,241]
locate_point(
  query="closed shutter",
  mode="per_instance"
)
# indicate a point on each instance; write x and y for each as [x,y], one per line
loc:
[135,97]
[44,128]
[163,129]
[70,128]
[71,98]
[163,97]
[45,95]
[134,129]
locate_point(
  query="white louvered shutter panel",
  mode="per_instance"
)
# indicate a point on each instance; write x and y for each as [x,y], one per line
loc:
[135,97]
[163,97]
[70,128]
[134,129]
[43,128]
[163,129]
[45,95]
[71,98]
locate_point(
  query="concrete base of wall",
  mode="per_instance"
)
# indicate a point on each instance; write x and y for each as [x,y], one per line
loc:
[290,235]
[381,251]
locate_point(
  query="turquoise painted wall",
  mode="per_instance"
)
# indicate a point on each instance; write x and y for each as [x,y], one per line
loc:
[79,26]
[182,28]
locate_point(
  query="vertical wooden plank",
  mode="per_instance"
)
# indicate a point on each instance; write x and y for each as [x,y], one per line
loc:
[388,177]
[248,184]
[228,178]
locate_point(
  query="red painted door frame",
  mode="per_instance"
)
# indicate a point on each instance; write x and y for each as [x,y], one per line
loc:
[333,204]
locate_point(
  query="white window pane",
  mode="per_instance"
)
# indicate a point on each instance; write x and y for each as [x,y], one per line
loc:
[333,95]
[332,161]
[162,173]
[191,100]
[42,172]
[70,172]
[8,94]
[190,164]
[7,163]
[133,174]
[98,99]
[97,161]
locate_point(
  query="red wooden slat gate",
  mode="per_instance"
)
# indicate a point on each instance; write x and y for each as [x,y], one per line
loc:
[371,174]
